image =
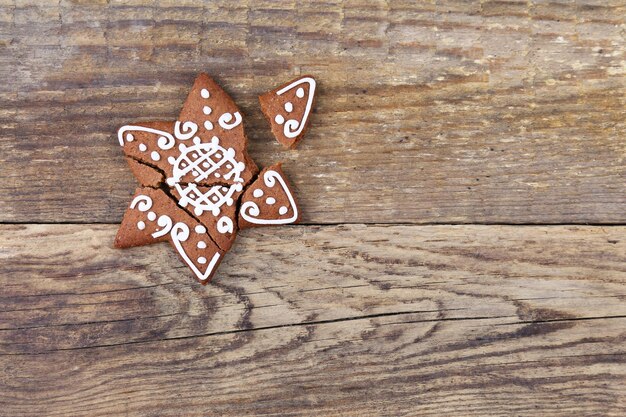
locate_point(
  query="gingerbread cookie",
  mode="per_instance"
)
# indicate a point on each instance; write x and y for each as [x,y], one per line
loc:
[193,173]
[154,217]
[288,109]
[268,201]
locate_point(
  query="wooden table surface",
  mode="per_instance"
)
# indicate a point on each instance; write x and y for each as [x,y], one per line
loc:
[463,187]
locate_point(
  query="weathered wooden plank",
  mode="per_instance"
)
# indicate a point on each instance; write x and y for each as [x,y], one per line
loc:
[345,320]
[506,112]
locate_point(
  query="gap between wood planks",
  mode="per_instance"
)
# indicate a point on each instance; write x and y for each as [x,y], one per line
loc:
[78,223]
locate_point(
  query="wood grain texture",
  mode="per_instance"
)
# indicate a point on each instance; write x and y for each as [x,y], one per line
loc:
[444,112]
[347,320]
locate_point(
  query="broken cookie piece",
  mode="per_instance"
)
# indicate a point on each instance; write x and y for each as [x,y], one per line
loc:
[215,207]
[268,201]
[288,109]
[154,217]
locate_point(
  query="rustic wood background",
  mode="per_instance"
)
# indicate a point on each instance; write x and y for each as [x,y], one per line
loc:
[463,250]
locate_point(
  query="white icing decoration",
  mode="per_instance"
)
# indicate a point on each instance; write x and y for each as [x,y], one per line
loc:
[204,93]
[165,142]
[279,119]
[206,110]
[130,137]
[257,193]
[202,260]
[166,223]
[201,244]
[155,156]
[293,127]
[200,229]
[188,130]
[143,203]
[250,211]
[180,233]
[206,153]
[225,119]
[270,201]
[141,225]
[143,147]
[225,225]
[151,216]
[208,125]
[288,107]
[282,210]
[211,201]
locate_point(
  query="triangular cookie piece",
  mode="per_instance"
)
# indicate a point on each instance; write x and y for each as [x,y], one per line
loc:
[211,112]
[268,201]
[154,217]
[288,109]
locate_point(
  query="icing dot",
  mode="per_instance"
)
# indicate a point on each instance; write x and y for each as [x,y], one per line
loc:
[288,107]
[208,125]
[204,93]
[151,216]
[196,140]
[171,160]
[200,229]
[270,200]
[201,245]
[206,110]
[217,175]
[282,210]
[142,147]
[300,92]
[205,164]
[155,156]
[202,260]
[130,137]
[214,198]
[194,155]
[257,193]
[279,119]
[141,225]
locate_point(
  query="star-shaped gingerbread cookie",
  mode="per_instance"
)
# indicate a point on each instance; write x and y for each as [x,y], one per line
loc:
[195,175]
